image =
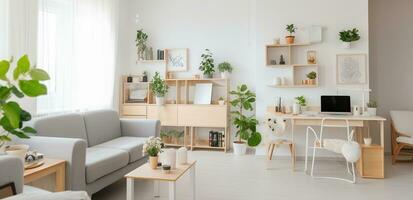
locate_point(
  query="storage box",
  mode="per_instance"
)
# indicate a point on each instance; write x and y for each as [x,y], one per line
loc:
[371,163]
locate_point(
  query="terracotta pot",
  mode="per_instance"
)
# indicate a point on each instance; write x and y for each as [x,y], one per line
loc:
[290,39]
[311,81]
[153,162]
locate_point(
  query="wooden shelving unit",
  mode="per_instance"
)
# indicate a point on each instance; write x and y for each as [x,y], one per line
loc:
[297,66]
[181,112]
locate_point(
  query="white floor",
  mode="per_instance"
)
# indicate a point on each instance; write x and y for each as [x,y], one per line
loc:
[225,176]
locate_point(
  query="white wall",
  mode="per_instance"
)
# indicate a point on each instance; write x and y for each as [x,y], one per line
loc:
[237,31]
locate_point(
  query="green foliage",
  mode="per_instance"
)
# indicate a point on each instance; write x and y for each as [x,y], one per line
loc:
[207,64]
[225,67]
[372,104]
[301,100]
[349,35]
[246,125]
[221,99]
[172,133]
[141,38]
[312,75]
[25,81]
[158,86]
[291,29]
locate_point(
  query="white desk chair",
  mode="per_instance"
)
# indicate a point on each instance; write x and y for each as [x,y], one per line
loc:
[348,148]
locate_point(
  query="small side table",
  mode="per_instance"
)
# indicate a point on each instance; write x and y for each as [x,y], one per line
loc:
[50,166]
[146,173]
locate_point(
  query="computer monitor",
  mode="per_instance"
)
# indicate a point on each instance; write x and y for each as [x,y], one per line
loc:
[331,104]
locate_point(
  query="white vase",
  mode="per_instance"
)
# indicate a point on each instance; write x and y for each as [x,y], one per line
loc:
[18,150]
[160,100]
[351,151]
[182,156]
[239,148]
[296,109]
[367,141]
[346,45]
[224,75]
[221,102]
[169,158]
[372,111]
[276,81]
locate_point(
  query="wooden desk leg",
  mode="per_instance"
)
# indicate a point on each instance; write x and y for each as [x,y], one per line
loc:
[382,133]
[292,141]
[130,187]
[193,179]
[172,190]
[60,178]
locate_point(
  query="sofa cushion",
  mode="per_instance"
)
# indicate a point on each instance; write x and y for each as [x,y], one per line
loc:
[101,126]
[133,145]
[65,125]
[103,161]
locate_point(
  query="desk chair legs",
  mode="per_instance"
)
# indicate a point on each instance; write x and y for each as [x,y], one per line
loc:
[273,147]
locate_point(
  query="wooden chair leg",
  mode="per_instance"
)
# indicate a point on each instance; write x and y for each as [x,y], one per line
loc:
[292,151]
[273,146]
[268,151]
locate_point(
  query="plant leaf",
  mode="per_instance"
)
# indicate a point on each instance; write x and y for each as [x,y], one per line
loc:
[23,66]
[39,74]
[4,68]
[16,92]
[25,116]
[5,138]
[32,88]
[29,129]
[254,139]
[4,93]
[12,111]
[19,134]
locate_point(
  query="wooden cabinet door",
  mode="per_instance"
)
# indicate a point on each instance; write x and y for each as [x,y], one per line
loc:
[134,110]
[167,114]
[202,115]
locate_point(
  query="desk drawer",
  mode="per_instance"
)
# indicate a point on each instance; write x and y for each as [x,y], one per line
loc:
[134,110]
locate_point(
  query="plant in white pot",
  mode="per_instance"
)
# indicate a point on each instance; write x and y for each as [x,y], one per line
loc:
[224,68]
[25,81]
[348,36]
[207,64]
[159,88]
[221,101]
[372,108]
[152,147]
[299,105]
[246,125]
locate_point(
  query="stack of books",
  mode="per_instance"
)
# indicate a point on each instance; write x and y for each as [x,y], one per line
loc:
[216,139]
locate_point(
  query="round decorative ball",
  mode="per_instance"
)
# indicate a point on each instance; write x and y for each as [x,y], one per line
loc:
[351,151]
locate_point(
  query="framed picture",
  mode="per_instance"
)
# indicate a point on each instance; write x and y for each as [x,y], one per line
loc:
[203,93]
[351,69]
[7,190]
[176,60]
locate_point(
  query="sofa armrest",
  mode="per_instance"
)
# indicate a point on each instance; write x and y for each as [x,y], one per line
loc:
[140,127]
[72,150]
[11,171]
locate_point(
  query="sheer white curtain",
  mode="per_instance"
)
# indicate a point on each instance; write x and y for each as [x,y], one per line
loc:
[4,29]
[77,42]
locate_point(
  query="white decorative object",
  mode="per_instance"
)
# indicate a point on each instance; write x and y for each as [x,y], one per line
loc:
[276,81]
[160,101]
[351,151]
[372,111]
[169,158]
[276,41]
[176,60]
[296,109]
[18,150]
[346,45]
[288,109]
[182,156]
[224,75]
[367,141]
[203,93]
[315,34]
[240,148]
[351,69]
[356,110]
[277,126]
[221,102]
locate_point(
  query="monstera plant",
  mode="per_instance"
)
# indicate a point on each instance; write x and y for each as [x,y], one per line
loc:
[25,80]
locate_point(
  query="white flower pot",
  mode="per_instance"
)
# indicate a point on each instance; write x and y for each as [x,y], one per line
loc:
[346,45]
[296,109]
[160,101]
[224,75]
[221,102]
[367,141]
[372,111]
[19,150]
[239,148]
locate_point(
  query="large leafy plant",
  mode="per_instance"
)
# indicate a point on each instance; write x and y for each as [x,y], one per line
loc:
[225,67]
[207,63]
[141,38]
[158,86]
[24,81]
[291,29]
[246,125]
[349,35]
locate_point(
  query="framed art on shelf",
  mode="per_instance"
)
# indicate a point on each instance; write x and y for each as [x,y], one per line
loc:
[176,60]
[351,69]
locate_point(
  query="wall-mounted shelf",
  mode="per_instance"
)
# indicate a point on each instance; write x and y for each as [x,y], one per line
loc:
[293,86]
[152,61]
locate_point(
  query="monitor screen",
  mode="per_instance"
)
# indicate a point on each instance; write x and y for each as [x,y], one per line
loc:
[335,104]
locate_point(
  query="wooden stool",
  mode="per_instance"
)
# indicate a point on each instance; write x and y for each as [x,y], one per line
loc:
[275,143]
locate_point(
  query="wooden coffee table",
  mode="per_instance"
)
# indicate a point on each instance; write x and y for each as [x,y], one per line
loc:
[145,172]
[50,166]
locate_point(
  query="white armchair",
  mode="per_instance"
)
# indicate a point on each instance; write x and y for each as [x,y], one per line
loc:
[401,133]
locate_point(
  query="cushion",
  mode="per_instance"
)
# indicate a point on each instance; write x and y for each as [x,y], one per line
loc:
[133,145]
[103,161]
[403,122]
[65,125]
[102,126]
[67,195]
[334,145]
[403,139]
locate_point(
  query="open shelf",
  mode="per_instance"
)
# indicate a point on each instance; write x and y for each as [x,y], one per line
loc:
[293,86]
[151,61]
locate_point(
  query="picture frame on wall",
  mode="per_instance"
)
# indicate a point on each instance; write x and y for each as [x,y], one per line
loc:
[351,69]
[176,60]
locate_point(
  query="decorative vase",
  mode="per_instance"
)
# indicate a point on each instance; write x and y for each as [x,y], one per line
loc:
[276,81]
[224,75]
[18,150]
[182,156]
[153,162]
[351,151]
[367,141]
[290,39]
[160,101]
[221,102]
[240,148]
[170,158]
[346,45]
[372,111]
[296,108]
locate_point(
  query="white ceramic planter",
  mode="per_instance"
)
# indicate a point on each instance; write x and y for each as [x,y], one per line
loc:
[221,102]
[224,75]
[160,101]
[346,45]
[239,148]
[296,109]
[19,150]
[367,141]
[372,111]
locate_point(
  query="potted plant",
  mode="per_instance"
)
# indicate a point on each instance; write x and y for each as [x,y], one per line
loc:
[224,68]
[25,81]
[290,29]
[165,137]
[159,89]
[246,125]
[207,64]
[348,36]
[141,38]
[312,76]
[152,147]
[372,108]
[299,105]
[221,101]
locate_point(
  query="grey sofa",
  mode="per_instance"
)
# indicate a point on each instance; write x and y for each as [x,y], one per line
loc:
[11,171]
[99,147]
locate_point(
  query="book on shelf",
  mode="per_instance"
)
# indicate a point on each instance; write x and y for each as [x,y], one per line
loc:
[216,139]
